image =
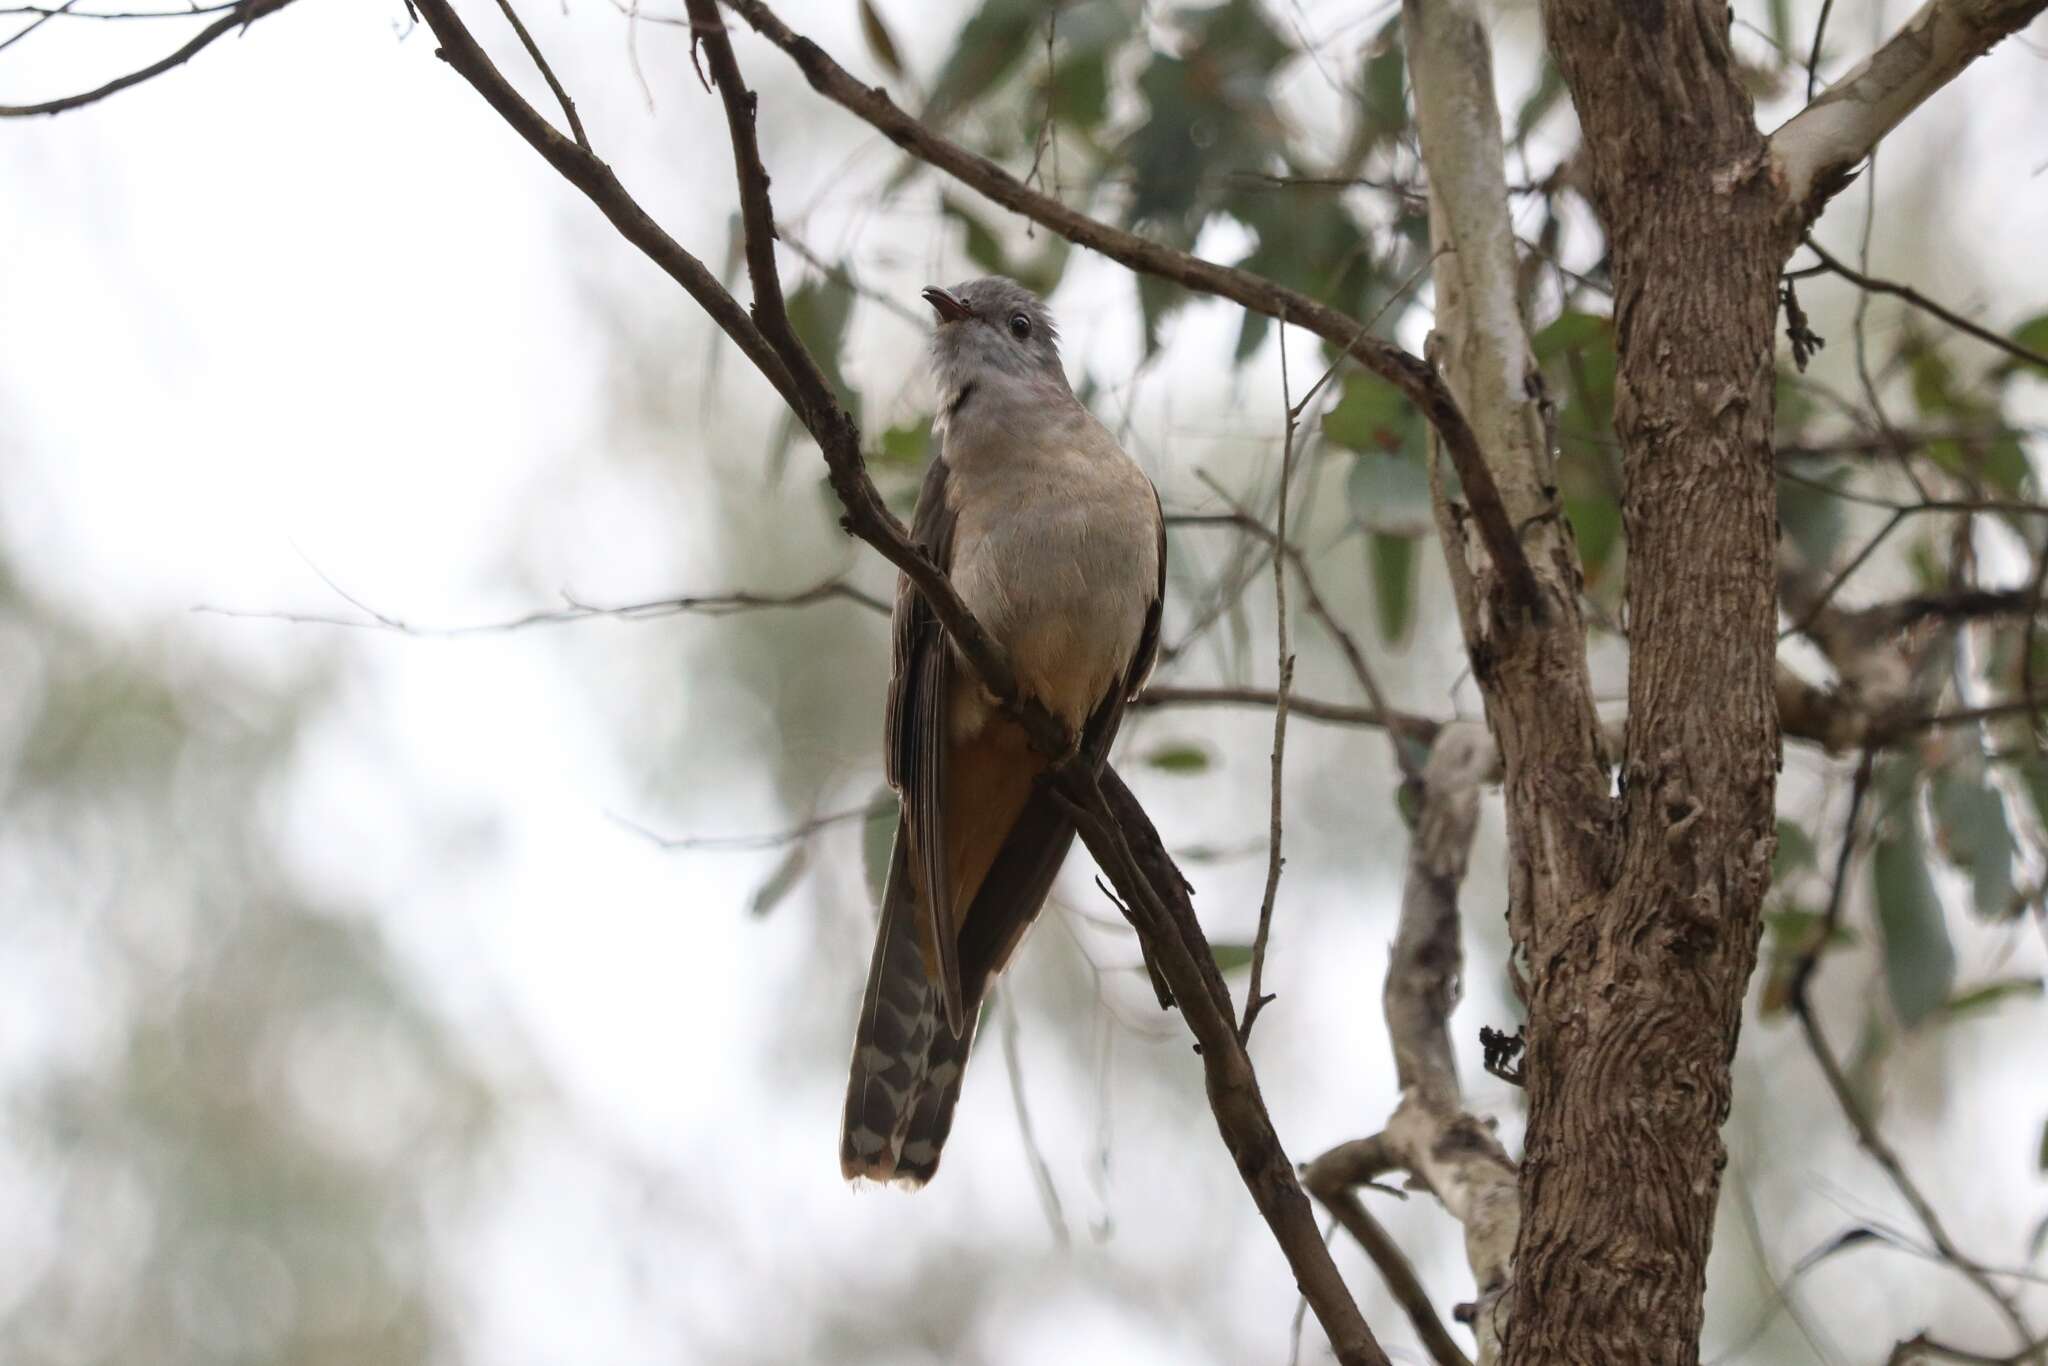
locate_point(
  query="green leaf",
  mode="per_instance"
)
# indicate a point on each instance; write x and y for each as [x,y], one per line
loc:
[789,870]
[1540,102]
[1919,961]
[903,447]
[1393,582]
[1970,826]
[1383,87]
[1209,105]
[1596,526]
[1231,957]
[989,47]
[1182,757]
[2033,335]
[818,310]
[1990,994]
[1795,851]
[878,840]
[1157,299]
[880,45]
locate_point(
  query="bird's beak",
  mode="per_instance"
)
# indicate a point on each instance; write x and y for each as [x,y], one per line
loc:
[946,305]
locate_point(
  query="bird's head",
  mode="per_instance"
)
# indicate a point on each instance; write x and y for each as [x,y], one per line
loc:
[992,329]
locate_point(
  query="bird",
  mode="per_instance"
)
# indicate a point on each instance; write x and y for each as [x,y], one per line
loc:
[1055,541]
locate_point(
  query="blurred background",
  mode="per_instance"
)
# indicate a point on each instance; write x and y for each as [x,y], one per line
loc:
[376,988]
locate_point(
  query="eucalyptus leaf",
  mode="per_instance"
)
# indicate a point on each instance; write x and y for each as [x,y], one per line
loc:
[1231,957]
[1919,961]
[1970,820]
[1393,582]
[789,870]
[1184,757]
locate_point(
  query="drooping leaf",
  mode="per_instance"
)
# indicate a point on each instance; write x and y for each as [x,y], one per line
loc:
[1393,582]
[1208,105]
[1549,88]
[1919,961]
[1794,853]
[2033,335]
[1090,36]
[1231,957]
[789,869]
[881,46]
[1383,87]
[991,44]
[1990,994]
[1157,300]
[1971,829]
[1794,931]
[903,447]
[819,309]
[1183,757]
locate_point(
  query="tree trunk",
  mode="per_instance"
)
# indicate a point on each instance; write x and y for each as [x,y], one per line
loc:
[1636,990]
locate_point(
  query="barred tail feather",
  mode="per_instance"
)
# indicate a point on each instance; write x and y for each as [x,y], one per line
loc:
[907,1064]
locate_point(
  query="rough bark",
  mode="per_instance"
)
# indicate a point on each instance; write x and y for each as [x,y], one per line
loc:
[1635,991]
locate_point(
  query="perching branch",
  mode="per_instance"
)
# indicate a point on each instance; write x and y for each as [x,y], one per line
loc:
[1926,305]
[1817,152]
[243,15]
[1414,377]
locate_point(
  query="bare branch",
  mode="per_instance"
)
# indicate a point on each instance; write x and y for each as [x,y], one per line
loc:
[700,604]
[1925,305]
[1333,1179]
[1816,154]
[1924,1348]
[1415,378]
[243,15]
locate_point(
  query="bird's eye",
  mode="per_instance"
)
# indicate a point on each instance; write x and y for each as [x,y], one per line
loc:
[1020,326]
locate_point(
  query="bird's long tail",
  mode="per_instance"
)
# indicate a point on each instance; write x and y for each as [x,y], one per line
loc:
[907,1064]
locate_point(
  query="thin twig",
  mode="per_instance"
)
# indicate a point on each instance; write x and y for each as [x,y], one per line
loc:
[1255,1000]
[1820,28]
[244,14]
[547,73]
[1920,301]
[67,12]
[753,843]
[1041,1172]
[32,25]
[701,604]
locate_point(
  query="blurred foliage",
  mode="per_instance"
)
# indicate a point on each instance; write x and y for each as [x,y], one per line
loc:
[228,1136]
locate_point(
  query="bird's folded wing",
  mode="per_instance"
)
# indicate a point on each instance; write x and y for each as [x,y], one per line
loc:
[915,734]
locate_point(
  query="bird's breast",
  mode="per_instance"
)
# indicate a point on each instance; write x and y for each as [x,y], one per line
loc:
[1060,564]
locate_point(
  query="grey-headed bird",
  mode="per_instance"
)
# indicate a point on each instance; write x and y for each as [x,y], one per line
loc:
[1054,539]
